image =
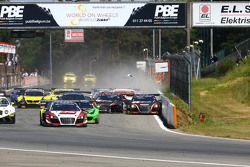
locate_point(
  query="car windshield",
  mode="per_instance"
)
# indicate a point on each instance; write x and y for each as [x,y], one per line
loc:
[34,93]
[4,103]
[59,92]
[65,107]
[108,97]
[86,105]
[143,98]
[73,97]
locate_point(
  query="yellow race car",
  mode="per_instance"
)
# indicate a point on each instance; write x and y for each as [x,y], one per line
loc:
[56,93]
[89,81]
[31,97]
[69,78]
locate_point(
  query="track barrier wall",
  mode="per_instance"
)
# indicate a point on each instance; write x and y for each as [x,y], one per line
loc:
[168,114]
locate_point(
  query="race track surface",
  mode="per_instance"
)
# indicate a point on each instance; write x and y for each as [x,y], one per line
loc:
[119,140]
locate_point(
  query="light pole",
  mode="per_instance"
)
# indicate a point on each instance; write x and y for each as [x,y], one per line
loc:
[50,59]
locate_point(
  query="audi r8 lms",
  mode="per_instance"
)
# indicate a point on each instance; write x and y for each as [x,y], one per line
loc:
[31,97]
[110,103]
[7,111]
[74,96]
[62,113]
[144,104]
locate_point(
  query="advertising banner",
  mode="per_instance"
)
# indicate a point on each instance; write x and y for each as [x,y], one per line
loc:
[73,35]
[221,14]
[161,67]
[78,15]
[141,65]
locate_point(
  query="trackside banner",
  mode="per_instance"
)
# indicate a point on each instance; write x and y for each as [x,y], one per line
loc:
[221,14]
[54,15]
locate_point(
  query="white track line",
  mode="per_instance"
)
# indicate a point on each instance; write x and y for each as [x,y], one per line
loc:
[163,127]
[124,158]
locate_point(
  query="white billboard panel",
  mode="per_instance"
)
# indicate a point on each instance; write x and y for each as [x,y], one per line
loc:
[161,67]
[141,65]
[222,14]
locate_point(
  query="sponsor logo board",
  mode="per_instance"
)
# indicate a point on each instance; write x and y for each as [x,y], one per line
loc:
[221,14]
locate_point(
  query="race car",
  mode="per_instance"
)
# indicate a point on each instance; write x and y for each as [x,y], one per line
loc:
[15,93]
[100,91]
[89,81]
[62,113]
[31,97]
[73,96]
[144,104]
[93,113]
[56,93]
[7,111]
[85,103]
[70,78]
[110,103]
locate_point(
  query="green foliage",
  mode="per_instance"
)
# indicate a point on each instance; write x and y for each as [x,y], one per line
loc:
[224,67]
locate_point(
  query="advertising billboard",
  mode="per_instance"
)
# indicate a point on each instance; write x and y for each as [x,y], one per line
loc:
[84,15]
[229,14]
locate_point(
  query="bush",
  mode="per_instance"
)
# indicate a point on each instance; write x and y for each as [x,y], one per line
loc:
[224,67]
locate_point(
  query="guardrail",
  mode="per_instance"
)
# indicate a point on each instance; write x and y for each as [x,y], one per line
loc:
[168,114]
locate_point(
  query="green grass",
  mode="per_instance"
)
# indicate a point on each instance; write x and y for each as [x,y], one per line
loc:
[225,101]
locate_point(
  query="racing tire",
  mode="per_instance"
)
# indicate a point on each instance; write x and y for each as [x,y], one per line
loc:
[42,122]
[84,125]
[13,120]
[97,121]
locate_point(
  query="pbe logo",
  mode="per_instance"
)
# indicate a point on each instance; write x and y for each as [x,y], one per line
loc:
[11,11]
[166,10]
[205,12]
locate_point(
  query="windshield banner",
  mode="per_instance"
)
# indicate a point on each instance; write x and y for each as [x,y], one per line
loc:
[78,15]
[227,14]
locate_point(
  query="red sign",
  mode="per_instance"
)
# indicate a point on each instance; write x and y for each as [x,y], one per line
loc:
[74,35]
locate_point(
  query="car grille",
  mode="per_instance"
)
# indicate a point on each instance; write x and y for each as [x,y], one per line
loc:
[32,101]
[90,118]
[67,120]
[144,107]
[1,112]
[79,121]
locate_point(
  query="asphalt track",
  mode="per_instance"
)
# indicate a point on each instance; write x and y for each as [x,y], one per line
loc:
[119,140]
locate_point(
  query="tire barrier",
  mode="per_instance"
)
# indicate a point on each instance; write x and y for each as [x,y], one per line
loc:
[168,114]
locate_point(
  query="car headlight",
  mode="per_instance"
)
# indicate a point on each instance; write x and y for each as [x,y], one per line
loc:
[133,106]
[6,111]
[53,117]
[156,106]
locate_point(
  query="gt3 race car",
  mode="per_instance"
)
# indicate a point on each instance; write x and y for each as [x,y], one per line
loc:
[62,113]
[56,93]
[69,77]
[89,81]
[93,113]
[144,104]
[110,103]
[31,97]
[15,93]
[7,111]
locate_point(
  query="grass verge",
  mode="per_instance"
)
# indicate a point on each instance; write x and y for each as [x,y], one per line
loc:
[225,101]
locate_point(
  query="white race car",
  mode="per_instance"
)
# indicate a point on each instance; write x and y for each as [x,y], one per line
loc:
[7,111]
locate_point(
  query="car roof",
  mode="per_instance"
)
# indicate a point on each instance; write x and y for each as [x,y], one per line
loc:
[35,90]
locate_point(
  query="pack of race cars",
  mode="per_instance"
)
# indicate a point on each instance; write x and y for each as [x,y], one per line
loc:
[73,107]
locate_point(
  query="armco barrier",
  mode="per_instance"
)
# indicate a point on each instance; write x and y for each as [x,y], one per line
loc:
[168,115]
